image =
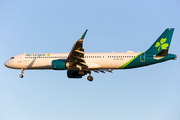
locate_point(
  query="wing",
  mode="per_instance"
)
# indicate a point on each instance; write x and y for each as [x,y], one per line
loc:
[76,56]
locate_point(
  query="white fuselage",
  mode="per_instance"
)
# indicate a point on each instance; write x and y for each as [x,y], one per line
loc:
[93,60]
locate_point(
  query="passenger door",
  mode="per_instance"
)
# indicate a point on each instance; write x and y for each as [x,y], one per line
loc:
[19,61]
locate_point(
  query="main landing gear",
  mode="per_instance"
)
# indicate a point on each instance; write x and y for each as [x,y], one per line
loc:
[21,75]
[81,73]
[90,78]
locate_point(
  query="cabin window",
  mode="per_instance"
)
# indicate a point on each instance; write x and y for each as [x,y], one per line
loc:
[12,58]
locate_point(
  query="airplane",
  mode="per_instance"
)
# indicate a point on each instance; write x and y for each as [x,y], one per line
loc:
[78,63]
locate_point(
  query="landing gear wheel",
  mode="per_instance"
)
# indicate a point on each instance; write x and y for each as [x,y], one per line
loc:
[81,73]
[90,78]
[21,76]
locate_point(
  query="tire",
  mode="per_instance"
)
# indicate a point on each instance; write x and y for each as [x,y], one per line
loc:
[21,76]
[90,78]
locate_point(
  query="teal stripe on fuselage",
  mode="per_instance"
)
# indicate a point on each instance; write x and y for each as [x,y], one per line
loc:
[148,61]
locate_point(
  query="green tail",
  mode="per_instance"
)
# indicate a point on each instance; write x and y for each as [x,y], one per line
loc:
[162,43]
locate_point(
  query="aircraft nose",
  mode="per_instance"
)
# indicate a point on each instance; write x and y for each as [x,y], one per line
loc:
[7,63]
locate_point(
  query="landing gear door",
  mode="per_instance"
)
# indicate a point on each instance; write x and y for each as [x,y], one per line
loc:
[142,57]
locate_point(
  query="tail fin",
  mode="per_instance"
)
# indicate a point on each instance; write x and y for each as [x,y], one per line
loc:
[162,43]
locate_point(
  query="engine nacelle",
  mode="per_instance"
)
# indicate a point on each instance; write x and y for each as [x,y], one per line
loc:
[60,64]
[73,74]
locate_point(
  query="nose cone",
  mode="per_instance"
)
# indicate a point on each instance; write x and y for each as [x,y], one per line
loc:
[7,64]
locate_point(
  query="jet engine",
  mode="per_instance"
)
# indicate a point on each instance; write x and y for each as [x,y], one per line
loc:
[60,64]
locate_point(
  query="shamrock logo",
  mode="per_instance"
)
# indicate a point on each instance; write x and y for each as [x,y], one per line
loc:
[162,44]
[48,54]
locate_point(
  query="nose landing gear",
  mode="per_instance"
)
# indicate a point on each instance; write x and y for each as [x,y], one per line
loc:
[21,75]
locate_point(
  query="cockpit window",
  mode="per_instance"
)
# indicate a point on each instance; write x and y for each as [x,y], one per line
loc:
[12,58]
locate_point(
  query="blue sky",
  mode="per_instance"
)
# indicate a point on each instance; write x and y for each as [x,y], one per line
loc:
[147,93]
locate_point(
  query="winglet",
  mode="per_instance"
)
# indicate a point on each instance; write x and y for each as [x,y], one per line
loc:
[83,35]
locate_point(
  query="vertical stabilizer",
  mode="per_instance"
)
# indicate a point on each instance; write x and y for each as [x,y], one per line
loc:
[162,43]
